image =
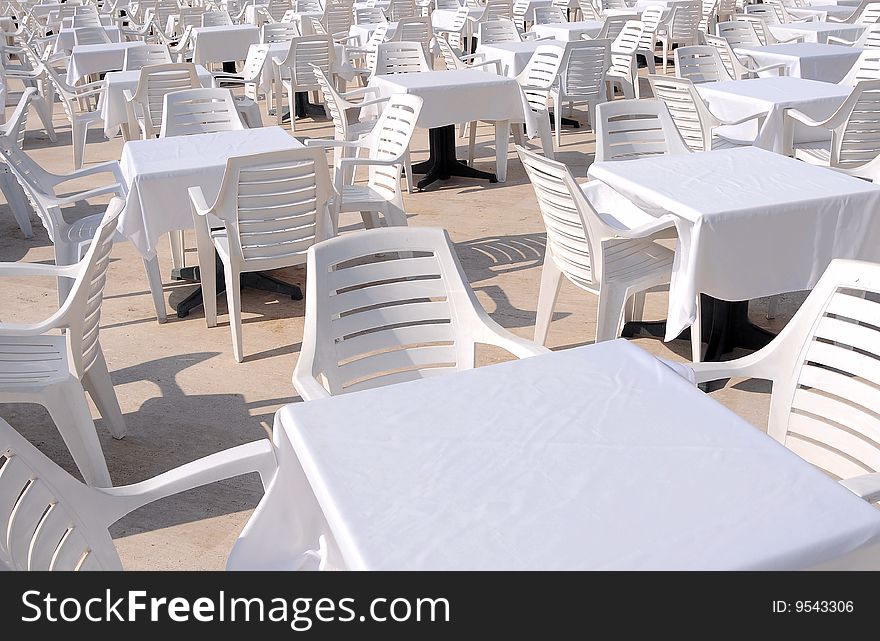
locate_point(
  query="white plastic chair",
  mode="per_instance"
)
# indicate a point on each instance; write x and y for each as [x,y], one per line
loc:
[651,19]
[251,73]
[386,146]
[216,18]
[273,206]
[624,71]
[549,15]
[582,79]
[457,31]
[90,36]
[453,60]
[536,81]
[51,521]
[279,32]
[415,29]
[627,129]
[682,28]
[338,18]
[708,15]
[294,72]
[699,64]
[870,38]
[362,333]
[866,67]
[588,11]
[398,9]
[145,105]
[400,57]
[199,111]
[823,366]
[616,263]
[369,15]
[866,13]
[13,130]
[612,26]
[52,370]
[763,31]
[735,67]
[692,117]
[136,58]
[495,31]
[74,100]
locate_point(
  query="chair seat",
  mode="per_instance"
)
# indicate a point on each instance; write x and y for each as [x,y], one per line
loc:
[29,361]
[353,195]
[815,153]
[637,261]
[719,142]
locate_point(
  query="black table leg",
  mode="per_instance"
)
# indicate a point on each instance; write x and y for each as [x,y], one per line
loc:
[229,67]
[442,163]
[566,122]
[254,280]
[727,324]
[301,107]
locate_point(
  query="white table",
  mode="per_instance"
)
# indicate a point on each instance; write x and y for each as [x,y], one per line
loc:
[64,41]
[529,15]
[223,44]
[88,59]
[112,101]
[567,31]
[736,99]
[750,222]
[453,97]
[593,458]
[817,31]
[363,31]
[821,11]
[444,19]
[514,56]
[342,67]
[828,63]
[160,171]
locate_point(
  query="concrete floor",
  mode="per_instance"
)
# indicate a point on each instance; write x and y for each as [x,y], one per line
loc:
[184,396]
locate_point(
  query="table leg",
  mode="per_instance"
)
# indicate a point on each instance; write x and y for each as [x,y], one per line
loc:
[502,139]
[442,163]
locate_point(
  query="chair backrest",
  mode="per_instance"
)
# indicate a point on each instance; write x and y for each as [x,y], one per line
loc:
[137,58]
[870,14]
[825,398]
[766,11]
[90,36]
[734,67]
[199,111]
[398,9]
[389,140]
[308,6]
[338,17]
[549,15]
[386,306]
[540,74]
[588,10]
[369,15]
[14,128]
[494,31]
[685,21]
[612,26]
[497,10]
[708,15]
[870,38]
[306,51]
[415,29]
[85,20]
[216,18]
[738,32]
[450,57]
[189,17]
[448,5]
[856,140]
[762,30]
[627,41]
[688,111]
[866,67]
[613,4]
[333,103]
[650,18]
[279,32]
[574,229]
[400,57]
[255,62]
[276,9]
[627,129]
[275,205]
[583,70]
[156,81]
[700,63]
[456,33]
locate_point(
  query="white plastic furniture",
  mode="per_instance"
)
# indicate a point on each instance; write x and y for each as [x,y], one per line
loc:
[699,64]
[251,74]
[453,60]
[627,129]
[854,128]
[870,38]
[145,105]
[361,333]
[581,79]
[549,15]
[536,81]
[682,28]
[612,26]
[822,364]
[456,32]
[369,15]
[691,115]
[216,19]
[273,206]
[338,18]
[13,130]
[279,32]
[52,370]
[400,57]
[708,15]
[623,71]
[651,19]
[140,57]
[90,36]
[615,263]
[386,147]
[866,67]
[75,101]
[494,31]
[735,67]
[415,29]
[865,13]
[763,31]
[398,9]
[54,522]
[294,73]
[199,111]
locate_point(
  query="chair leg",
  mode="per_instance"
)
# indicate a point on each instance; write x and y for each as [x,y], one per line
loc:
[557,116]
[551,280]
[697,335]
[371,219]
[233,302]
[178,259]
[472,143]
[65,254]
[546,136]
[772,306]
[97,383]
[612,300]
[208,278]
[407,170]
[636,307]
[66,403]
[44,112]
[154,279]
[17,202]
[79,132]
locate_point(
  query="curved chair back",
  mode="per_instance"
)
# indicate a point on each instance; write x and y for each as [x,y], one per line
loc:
[199,111]
[627,129]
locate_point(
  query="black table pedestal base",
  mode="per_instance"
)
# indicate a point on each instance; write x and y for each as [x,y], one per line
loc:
[566,122]
[301,107]
[726,324]
[254,280]
[442,163]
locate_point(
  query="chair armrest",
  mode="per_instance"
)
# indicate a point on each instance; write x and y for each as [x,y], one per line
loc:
[519,347]
[110,166]
[323,142]
[258,456]
[15,270]
[354,93]
[648,229]
[780,66]
[804,119]
[197,199]
[354,162]
[834,39]
[727,123]
[755,365]
[115,188]
[792,39]
[866,486]
[307,386]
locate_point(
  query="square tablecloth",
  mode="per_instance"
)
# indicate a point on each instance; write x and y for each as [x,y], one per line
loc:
[567,31]
[88,59]
[444,19]
[821,11]
[593,458]
[817,31]
[828,63]
[64,41]
[112,102]
[514,56]
[341,65]
[160,171]
[750,222]
[223,44]
[736,99]
[363,31]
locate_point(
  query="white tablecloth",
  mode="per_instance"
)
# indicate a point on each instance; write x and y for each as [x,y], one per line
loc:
[341,66]
[817,31]
[821,11]
[751,223]
[735,99]
[828,63]
[363,31]
[112,102]
[839,3]
[593,458]
[514,56]
[222,44]
[444,19]
[160,171]
[64,42]
[89,59]
[567,31]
